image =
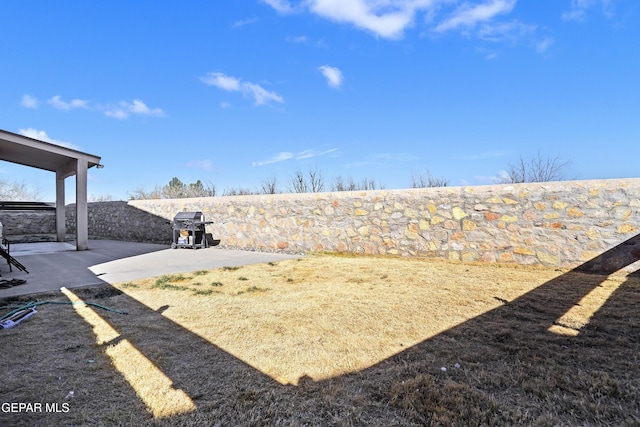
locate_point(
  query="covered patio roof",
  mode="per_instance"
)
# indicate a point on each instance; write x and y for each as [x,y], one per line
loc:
[64,162]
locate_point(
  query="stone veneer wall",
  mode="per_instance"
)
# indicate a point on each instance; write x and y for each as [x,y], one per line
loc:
[111,220]
[28,222]
[121,221]
[560,224]
[556,224]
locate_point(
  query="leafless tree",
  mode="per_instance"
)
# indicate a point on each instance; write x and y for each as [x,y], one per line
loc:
[427,180]
[299,183]
[100,198]
[341,184]
[538,168]
[142,193]
[312,183]
[238,191]
[316,183]
[349,184]
[11,190]
[269,185]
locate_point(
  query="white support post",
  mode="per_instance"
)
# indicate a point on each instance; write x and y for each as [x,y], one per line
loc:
[82,216]
[61,214]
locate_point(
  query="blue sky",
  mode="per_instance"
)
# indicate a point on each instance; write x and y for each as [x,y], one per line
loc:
[235,92]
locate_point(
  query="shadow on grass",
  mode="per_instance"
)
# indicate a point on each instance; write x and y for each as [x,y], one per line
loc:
[520,363]
[523,364]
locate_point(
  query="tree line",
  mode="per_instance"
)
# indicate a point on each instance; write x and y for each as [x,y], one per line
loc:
[537,168]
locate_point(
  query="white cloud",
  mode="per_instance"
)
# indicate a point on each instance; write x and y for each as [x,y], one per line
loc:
[124,109]
[221,81]
[391,18]
[543,45]
[333,75]
[116,113]
[280,157]
[243,22]
[287,155]
[281,6]
[505,31]
[307,154]
[468,14]
[58,103]
[384,18]
[42,136]
[121,110]
[139,107]
[259,94]
[29,101]
[578,10]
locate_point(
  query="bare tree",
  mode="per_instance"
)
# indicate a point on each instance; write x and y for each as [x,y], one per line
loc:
[316,183]
[100,198]
[142,193]
[349,184]
[538,168]
[11,190]
[340,184]
[269,185]
[313,183]
[238,191]
[299,183]
[427,180]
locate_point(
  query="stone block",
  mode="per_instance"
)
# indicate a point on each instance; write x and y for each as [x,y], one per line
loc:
[627,229]
[458,213]
[491,216]
[509,218]
[547,258]
[468,225]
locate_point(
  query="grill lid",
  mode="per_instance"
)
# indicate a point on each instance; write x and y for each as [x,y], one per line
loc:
[189,216]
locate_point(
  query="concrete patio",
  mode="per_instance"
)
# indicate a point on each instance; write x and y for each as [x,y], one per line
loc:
[53,265]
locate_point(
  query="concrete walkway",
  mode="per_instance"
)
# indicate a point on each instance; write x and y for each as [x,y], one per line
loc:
[54,265]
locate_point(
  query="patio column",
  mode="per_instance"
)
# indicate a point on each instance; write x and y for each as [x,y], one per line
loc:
[61,220]
[82,216]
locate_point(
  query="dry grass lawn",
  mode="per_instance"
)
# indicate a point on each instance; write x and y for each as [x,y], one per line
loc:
[334,340]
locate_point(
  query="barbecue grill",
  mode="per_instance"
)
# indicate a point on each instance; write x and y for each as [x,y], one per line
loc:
[189,230]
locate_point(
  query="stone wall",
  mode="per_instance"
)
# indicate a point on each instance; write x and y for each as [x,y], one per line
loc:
[561,224]
[112,220]
[121,221]
[28,222]
[555,224]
